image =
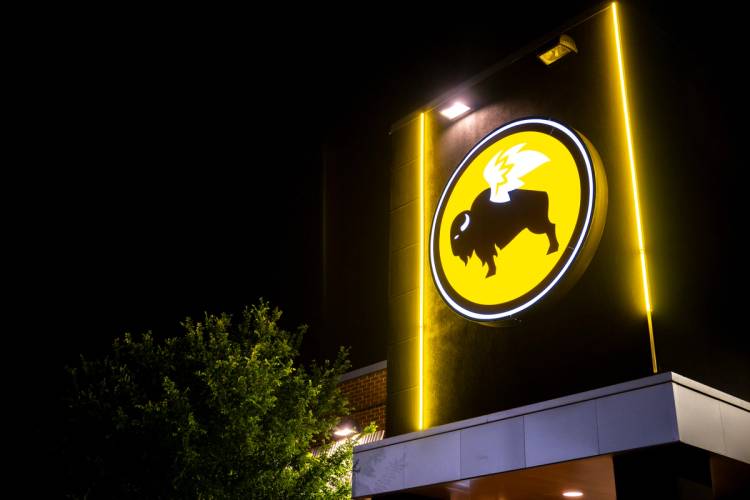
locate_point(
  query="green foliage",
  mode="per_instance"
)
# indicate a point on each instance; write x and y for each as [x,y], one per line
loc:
[222,411]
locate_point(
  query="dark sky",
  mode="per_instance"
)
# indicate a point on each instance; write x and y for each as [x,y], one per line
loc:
[181,158]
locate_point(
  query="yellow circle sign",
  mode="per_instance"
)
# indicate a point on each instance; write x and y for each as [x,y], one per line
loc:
[513,218]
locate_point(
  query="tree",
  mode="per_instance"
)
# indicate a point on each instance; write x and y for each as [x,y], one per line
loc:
[223,411]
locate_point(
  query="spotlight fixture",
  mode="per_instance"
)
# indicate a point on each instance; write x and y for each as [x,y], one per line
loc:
[572,494]
[346,428]
[454,110]
[563,46]
[344,432]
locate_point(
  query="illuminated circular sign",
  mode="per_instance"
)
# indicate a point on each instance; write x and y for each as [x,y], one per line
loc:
[523,210]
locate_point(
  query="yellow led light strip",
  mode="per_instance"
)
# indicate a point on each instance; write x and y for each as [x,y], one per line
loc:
[636,204]
[420,320]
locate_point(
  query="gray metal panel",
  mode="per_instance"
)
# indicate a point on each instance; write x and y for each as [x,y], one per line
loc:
[524,410]
[431,460]
[699,420]
[627,416]
[561,434]
[710,391]
[736,424]
[493,447]
[378,471]
[644,417]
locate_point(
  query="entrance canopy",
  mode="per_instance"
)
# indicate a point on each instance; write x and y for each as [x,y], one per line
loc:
[467,459]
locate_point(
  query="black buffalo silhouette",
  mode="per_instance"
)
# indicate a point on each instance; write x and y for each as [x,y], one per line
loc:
[489,224]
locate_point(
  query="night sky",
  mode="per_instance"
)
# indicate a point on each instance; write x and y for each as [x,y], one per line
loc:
[191,162]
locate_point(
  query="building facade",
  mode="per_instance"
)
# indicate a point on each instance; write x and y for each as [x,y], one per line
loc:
[559,320]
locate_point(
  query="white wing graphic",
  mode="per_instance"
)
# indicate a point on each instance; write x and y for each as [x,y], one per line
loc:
[504,170]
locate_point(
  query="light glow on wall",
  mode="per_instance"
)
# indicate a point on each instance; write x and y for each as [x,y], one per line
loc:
[420,423]
[634,181]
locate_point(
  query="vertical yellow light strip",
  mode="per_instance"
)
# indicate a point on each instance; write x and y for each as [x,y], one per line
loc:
[636,204]
[420,425]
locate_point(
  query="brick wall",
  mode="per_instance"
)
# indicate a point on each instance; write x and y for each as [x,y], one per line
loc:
[367,398]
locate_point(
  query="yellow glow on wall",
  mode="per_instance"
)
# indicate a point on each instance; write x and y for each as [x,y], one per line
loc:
[633,178]
[420,423]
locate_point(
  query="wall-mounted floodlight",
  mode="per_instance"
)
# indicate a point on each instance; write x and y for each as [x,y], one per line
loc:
[572,494]
[347,427]
[563,46]
[344,432]
[454,110]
